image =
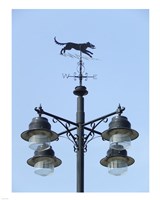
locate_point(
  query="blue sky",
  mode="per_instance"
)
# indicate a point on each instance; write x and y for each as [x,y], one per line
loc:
[7,153]
[121,38]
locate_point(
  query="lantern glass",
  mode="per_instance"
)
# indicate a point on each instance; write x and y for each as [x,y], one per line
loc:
[39,142]
[120,139]
[44,168]
[117,167]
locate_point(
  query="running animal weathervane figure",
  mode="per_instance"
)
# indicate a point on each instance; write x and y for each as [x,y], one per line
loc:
[80,47]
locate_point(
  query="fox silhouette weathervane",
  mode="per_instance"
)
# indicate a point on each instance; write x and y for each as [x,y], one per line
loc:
[82,47]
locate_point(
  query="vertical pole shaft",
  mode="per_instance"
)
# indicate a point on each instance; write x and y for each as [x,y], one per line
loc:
[80,70]
[80,151]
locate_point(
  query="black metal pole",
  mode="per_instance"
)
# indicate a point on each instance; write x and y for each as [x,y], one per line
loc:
[80,150]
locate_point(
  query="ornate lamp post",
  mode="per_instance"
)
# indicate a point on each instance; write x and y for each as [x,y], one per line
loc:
[119,134]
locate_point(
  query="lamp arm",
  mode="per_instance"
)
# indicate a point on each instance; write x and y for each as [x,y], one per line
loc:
[118,111]
[67,130]
[92,130]
[92,123]
[40,111]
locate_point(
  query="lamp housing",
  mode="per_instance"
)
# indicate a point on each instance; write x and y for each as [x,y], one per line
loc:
[117,161]
[120,132]
[39,134]
[44,161]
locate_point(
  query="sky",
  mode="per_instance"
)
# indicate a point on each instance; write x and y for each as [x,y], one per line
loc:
[121,63]
[31,74]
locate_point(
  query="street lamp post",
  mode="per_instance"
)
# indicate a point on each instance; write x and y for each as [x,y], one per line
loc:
[119,134]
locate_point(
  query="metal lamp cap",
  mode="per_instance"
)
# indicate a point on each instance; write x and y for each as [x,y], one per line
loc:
[39,126]
[39,123]
[46,155]
[119,124]
[113,154]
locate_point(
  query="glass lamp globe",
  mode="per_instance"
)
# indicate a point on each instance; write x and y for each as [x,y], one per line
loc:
[44,168]
[117,167]
[121,140]
[39,142]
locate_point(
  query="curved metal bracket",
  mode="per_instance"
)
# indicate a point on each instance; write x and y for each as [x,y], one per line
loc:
[68,131]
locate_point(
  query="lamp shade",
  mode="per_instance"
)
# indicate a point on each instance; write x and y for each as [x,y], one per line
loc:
[117,161]
[39,133]
[120,132]
[44,162]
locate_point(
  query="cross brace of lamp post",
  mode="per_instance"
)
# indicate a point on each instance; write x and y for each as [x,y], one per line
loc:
[77,125]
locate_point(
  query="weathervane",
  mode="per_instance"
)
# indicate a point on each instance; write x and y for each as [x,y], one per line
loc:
[82,47]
